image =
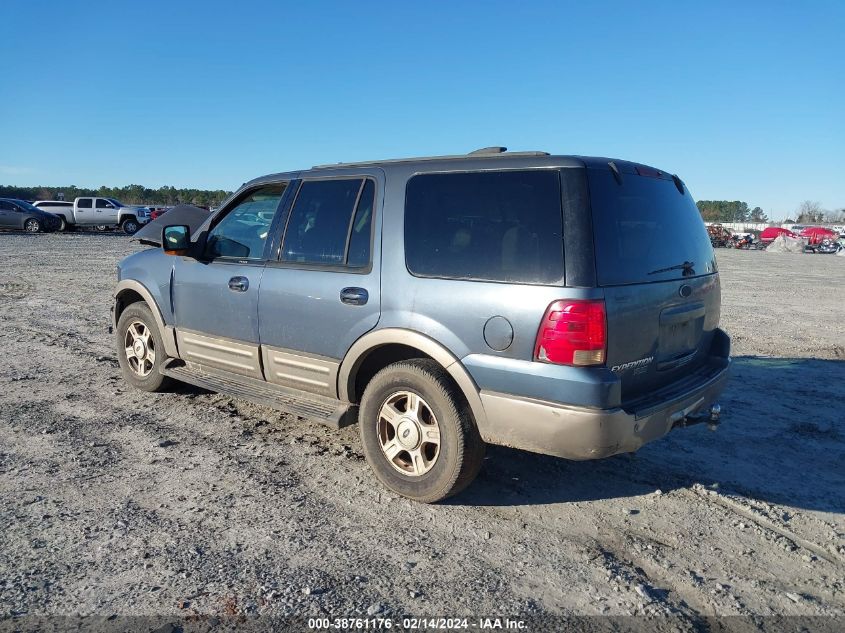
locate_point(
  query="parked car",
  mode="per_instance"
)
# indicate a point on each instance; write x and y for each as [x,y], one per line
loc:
[100,213]
[19,214]
[443,304]
[156,212]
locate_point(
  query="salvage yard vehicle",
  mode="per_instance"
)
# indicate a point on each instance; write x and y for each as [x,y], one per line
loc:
[829,246]
[442,304]
[100,213]
[720,237]
[815,235]
[768,235]
[19,214]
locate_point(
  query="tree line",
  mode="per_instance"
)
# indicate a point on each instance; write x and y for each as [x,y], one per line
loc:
[808,212]
[131,194]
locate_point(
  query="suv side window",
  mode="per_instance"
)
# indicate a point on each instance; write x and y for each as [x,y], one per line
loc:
[104,204]
[84,203]
[502,226]
[360,233]
[322,229]
[242,233]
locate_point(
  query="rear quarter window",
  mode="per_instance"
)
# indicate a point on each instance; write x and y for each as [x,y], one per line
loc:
[645,225]
[494,226]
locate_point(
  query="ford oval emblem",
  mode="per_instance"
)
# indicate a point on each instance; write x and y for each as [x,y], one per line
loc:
[685,291]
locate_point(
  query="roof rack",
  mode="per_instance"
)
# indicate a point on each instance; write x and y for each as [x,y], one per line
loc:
[485,152]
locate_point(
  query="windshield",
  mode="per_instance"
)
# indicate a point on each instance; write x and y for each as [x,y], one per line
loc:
[646,230]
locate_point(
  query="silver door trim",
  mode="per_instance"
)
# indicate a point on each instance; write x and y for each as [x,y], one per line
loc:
[235,356]
[300,371]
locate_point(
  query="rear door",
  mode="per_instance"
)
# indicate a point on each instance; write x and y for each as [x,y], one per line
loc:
[323,291]
[84,211]
[8,215]
[656,265]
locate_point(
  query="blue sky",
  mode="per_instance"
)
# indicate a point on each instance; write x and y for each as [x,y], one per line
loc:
[745,101]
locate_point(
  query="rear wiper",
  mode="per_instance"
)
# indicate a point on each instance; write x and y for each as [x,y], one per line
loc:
[686,266]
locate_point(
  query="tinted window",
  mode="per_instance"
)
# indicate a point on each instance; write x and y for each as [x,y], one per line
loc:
[104,204]
[643,226]
[53,203]
[498,226]
[359,237]
[319,221]
[6,206]
[23,205]
[242,233]
[84,203]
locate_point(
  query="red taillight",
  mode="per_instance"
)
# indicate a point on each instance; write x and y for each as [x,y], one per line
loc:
[573,333]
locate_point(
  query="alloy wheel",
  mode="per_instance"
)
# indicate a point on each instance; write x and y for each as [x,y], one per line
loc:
[139,349]
[408,433]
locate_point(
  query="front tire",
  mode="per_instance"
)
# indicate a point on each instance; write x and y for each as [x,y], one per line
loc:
[140,349]
[130,226]
[32,226]
[418,433]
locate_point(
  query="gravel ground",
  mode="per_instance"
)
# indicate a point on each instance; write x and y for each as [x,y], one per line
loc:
[115,501]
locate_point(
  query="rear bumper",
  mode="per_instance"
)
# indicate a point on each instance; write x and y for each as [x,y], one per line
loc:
[581,433]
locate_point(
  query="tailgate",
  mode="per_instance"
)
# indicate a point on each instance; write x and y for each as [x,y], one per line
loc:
[655,336]
[656,265]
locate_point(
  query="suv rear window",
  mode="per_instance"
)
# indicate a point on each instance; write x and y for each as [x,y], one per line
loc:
[493,226]
[644,227]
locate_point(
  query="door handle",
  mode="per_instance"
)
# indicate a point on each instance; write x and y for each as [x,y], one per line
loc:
[239,284]
[354,296]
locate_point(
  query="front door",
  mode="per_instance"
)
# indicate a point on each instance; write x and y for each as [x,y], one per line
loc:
[215,298]
[323,292]
[105,212]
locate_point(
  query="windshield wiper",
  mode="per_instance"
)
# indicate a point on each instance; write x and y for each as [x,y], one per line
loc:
[686,266]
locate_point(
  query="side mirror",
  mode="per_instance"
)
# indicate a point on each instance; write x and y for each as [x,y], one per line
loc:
[176,240]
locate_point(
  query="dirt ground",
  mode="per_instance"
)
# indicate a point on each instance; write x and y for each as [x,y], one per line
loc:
[115,501]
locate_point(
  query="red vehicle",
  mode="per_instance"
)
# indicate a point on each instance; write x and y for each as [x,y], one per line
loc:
[815,235]
[156,212]
[770,233]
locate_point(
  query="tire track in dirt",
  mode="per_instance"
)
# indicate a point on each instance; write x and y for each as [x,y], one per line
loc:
[745,508]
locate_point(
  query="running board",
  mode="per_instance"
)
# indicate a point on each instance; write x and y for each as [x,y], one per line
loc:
[328,411]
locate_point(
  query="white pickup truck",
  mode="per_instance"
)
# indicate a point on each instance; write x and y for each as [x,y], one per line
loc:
[96,212]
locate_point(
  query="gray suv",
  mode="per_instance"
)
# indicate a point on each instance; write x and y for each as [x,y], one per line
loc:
[558,304]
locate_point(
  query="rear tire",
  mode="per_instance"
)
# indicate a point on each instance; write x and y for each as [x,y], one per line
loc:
[141,362]
[32,226]
[62,224]
[417,431]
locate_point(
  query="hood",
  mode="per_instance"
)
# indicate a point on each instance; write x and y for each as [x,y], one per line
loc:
[183,214]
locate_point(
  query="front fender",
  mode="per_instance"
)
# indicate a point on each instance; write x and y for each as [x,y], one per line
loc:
[168,333]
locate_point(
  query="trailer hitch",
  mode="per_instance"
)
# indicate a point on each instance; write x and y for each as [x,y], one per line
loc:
[711,418]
